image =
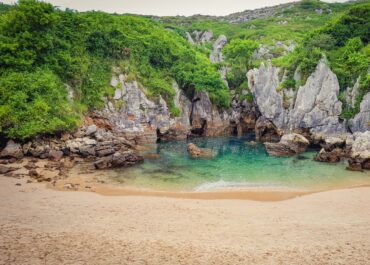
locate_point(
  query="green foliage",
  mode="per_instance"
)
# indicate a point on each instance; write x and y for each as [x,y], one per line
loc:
[34,103]
[238,55]
[79,49]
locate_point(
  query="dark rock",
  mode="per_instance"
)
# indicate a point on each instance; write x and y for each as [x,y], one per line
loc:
[105,152]
[33,173]
[12,150]
[290,144]
[119,159]
[332,156]
[18,184]
[4,169]
[266,131]
[30,165]
[55,155]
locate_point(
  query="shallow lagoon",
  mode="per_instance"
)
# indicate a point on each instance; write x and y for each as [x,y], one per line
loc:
[237,165]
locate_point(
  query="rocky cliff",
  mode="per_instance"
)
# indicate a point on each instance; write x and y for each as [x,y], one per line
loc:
[315,108]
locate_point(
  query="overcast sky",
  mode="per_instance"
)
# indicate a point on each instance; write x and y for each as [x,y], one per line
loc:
[167,7]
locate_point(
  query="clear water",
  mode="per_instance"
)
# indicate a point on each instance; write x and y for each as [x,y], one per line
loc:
[237,165]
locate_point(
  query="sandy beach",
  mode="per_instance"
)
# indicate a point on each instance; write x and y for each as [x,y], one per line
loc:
[44,226]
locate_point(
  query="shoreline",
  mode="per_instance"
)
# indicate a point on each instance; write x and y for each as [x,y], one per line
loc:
[264,195]
[44,226]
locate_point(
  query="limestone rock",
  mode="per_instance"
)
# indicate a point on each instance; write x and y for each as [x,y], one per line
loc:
[196,152]
[361,122]
[317,106]
[360,154]
[290,144]
[119,159]
[332,156]
[216,55]
[266,131]
[13,150]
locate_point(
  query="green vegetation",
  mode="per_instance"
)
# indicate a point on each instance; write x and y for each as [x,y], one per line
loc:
[345,43]
[43,50]
[45,53]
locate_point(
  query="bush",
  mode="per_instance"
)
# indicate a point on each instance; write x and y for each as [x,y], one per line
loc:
[34,103]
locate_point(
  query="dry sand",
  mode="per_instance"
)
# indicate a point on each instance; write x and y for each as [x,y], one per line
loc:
[44,226]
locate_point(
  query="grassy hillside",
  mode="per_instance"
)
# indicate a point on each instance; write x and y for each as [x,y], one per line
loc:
[44,50]
[46,54]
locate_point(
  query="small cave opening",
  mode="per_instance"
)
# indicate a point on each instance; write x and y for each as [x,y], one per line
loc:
[233,128]
[199,131]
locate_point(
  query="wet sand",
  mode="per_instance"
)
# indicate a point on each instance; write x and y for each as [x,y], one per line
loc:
[45,226]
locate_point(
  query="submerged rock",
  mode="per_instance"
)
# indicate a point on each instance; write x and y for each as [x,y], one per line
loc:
[197,152]
[290,144]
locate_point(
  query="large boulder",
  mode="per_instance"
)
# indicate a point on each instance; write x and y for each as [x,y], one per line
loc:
[12,150]
[290,144]
[196,152]
[119,159]
[332,156]
[360,154]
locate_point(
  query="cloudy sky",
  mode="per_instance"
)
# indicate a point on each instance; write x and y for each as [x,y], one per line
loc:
[167,7]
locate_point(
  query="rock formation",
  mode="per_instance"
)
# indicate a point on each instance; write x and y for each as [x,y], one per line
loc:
[290,144]
[361,122]
[196,152]
[316,107]
[360,153]
[216,54]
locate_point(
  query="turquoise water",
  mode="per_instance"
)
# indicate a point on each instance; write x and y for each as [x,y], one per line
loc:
[237,165]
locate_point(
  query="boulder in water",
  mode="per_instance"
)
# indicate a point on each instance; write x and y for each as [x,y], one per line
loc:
[290,144]
[197,152]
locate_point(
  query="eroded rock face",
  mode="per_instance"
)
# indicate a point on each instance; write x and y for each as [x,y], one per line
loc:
[290,144]
[360,154]
[199,37]
[205,119]
[352,93]
[332,156]
[263,83]
[361,122]
[316,106]
[179,128]
[266,131]
[12,150]
[216,54]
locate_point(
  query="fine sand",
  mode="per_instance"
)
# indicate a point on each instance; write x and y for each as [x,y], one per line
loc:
[45,226]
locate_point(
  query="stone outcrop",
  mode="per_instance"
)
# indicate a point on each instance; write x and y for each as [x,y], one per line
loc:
[142,120]
[12,150]
[196,152]
[361,122]
[332,156]
[199,37]
[360,153]
[216,54]
[290,144]
[352,93]
[207,120]
[119,159]
[179,127]
[266,131]
[316,108]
